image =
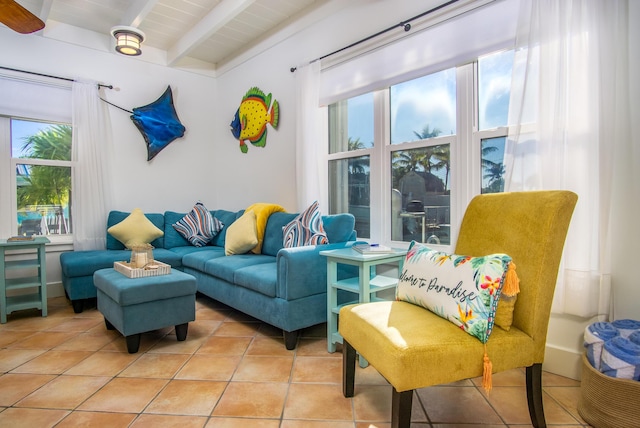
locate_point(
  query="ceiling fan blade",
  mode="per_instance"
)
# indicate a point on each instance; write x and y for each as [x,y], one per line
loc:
[18,18]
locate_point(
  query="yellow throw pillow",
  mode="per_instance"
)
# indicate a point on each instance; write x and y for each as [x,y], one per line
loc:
[262,211]
[504,311]
[136,229]
[242,235]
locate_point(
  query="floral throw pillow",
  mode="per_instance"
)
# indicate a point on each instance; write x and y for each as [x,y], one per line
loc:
[198,226]
[305,229]
[462,289]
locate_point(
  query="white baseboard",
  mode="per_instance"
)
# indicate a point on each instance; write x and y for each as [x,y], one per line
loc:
[563,362]
[55,289]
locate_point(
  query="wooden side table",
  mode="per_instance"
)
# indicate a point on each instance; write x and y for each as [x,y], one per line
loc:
[364,286]
[33,275]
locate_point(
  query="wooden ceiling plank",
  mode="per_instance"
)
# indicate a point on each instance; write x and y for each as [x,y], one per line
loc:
[220,15]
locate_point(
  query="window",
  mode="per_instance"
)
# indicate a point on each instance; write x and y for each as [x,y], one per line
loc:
[350,142]
[40,158]
[425,131]
[422,110]
[494,84]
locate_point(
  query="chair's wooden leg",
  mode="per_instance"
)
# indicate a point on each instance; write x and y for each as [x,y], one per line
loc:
[401,408]
[534,396]
[348,369]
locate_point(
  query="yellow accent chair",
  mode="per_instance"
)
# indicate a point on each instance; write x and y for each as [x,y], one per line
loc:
[414,348]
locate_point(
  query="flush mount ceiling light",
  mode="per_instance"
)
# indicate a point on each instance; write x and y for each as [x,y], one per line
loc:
[128,40]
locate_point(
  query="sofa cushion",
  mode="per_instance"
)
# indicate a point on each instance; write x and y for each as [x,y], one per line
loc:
[168,256]
[306,229]
[227,218]
[339,227]
[198,226]
[116,217]
[242,235]
[273,232]
[226,267]
[258,277]
[85,263]
[171,236]
[197,259]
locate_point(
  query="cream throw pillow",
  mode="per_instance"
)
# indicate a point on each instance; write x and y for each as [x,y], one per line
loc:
[242,235]
[136,229]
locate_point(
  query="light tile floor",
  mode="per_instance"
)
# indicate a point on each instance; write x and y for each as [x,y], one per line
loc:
[68,370]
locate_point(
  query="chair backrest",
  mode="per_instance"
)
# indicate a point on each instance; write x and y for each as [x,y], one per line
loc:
[531,227]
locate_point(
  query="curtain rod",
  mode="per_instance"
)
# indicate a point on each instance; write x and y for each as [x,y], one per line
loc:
[404,24]
[100,85]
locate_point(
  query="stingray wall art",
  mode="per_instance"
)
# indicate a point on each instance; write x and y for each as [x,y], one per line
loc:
[157,122]
[251,118]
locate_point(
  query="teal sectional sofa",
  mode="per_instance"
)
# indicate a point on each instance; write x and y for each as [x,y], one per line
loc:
[284,287]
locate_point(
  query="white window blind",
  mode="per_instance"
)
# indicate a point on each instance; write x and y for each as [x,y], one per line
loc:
[449,43]
[32,98]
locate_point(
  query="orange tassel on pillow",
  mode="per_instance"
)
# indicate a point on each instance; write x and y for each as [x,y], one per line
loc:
[487,368]
[511,281]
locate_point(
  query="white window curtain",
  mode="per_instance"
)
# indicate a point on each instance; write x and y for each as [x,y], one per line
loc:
[569,114]
[311,153]
[91,152]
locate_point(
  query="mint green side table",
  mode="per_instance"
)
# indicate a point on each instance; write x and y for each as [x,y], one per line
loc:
[364,286]
[31,273]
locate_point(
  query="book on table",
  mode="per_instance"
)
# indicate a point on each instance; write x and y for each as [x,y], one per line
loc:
[372,249]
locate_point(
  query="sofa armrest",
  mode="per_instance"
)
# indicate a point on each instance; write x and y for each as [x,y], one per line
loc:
[302,271]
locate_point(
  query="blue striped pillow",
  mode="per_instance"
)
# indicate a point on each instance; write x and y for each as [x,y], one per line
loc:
[305,229]
[199,226]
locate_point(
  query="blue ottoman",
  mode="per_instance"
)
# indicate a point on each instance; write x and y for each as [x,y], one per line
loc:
[137,305]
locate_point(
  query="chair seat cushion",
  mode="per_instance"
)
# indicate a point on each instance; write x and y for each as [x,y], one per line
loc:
[397,338]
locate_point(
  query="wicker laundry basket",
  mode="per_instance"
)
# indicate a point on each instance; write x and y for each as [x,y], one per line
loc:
[608,402]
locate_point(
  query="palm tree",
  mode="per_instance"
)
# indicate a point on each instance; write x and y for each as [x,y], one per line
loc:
[442,154]
[47,185]
[494,171]
[355,144]
[427,133]
[357,165]
[495,175]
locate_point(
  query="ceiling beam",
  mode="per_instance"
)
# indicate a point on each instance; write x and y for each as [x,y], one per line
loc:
[137,12]
[220,15]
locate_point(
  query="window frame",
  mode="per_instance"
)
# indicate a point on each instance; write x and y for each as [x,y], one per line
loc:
[8,183]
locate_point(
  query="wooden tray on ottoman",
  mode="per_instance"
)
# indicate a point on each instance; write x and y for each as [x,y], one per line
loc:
[131,272]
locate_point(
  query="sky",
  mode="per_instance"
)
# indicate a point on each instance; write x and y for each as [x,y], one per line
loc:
[21,129]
